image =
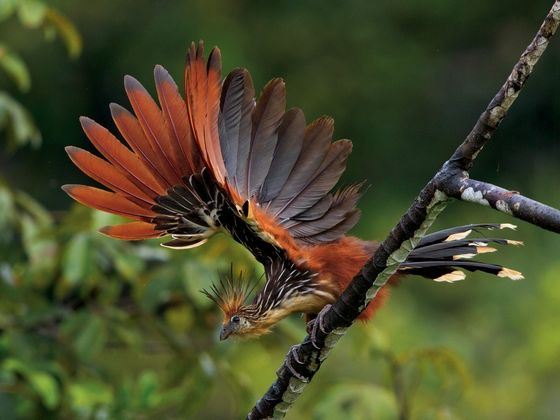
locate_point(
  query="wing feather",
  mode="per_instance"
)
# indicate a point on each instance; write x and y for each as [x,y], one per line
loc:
[130,129]
[105,173]
[109,202]
[177,119]
[317,138]
[288,148]
[121,157]
[267,117]
[154,127]
[132,231]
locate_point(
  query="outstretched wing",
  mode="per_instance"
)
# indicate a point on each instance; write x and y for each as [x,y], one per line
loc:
[284,169]
[217,159]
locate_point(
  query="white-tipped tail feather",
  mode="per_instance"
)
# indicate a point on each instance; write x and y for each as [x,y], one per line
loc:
[443,255]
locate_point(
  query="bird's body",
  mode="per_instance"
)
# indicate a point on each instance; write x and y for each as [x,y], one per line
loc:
[217,160]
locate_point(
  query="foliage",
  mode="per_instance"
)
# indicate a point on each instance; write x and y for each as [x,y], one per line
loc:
[32,14]
[92,327]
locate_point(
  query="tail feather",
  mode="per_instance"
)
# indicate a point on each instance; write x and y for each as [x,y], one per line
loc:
[461,232]
[440,255]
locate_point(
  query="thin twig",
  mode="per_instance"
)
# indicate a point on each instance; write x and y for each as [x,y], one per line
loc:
[304,360]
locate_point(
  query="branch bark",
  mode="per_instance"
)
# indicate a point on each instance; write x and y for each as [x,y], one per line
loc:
[510,202]
[452,180]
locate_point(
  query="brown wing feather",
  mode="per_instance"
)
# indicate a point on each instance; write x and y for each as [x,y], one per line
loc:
[121,157]
[177,119]
[267,117]
[202,92]
[132,231]
[108,201]
[131,131]
[154,127]
[105,173]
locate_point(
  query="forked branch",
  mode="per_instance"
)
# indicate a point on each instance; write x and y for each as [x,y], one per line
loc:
[451,181]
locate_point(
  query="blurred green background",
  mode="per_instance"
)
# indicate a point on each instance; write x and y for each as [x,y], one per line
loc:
[92,328]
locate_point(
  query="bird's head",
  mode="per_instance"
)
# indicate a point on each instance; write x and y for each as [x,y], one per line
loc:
[241,319]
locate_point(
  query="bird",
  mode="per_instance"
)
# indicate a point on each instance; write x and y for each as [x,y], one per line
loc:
[217,159]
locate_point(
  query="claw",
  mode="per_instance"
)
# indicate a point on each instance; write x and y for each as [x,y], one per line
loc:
[318,323]
[293,371]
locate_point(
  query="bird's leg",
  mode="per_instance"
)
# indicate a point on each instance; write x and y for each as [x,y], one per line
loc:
[318,323]
[309,320]
[294,355]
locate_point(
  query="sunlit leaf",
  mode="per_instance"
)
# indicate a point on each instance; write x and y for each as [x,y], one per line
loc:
[7,7]
[67,31]
[31,12]
[15,68]
[77,259]
[148,385]
[43,383]
[90,393]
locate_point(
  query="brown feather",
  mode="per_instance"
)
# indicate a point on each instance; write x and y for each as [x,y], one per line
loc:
[132,231]
[266,119]
[105,173]
[177,118]
[121,157]
[351,254]
[318,136]
[132,132]
[108,201]
[153,124]
[202,92]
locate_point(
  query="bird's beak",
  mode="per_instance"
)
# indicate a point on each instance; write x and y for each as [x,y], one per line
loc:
[225,332]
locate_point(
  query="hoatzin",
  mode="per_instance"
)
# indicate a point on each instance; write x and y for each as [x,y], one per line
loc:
[218,160]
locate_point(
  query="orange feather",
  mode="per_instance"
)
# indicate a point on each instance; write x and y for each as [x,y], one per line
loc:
[202,93]
[132,231]
[338,262]
[151,120]
[105,173]
[108,201]
[121,157]
[132,132]
[176,116]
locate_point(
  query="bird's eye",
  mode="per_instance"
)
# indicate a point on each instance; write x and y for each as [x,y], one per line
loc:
[235,319]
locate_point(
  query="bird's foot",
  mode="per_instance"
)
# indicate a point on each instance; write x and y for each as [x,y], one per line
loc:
[293,354]
[318,324]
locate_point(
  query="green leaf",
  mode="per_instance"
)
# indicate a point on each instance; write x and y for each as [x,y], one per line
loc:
[7,213]
[39,247]
[66,30]
[31,13]
[128,265]
[34,208]
[43,383]
[147,390]
[7,7]
[90,394]
[15,68]
[18,123]
[77,259]
[91,337]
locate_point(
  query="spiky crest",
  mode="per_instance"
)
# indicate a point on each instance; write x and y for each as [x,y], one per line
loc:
[231,292]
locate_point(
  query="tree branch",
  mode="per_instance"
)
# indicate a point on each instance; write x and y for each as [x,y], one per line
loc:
[510,202]
[304,360]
